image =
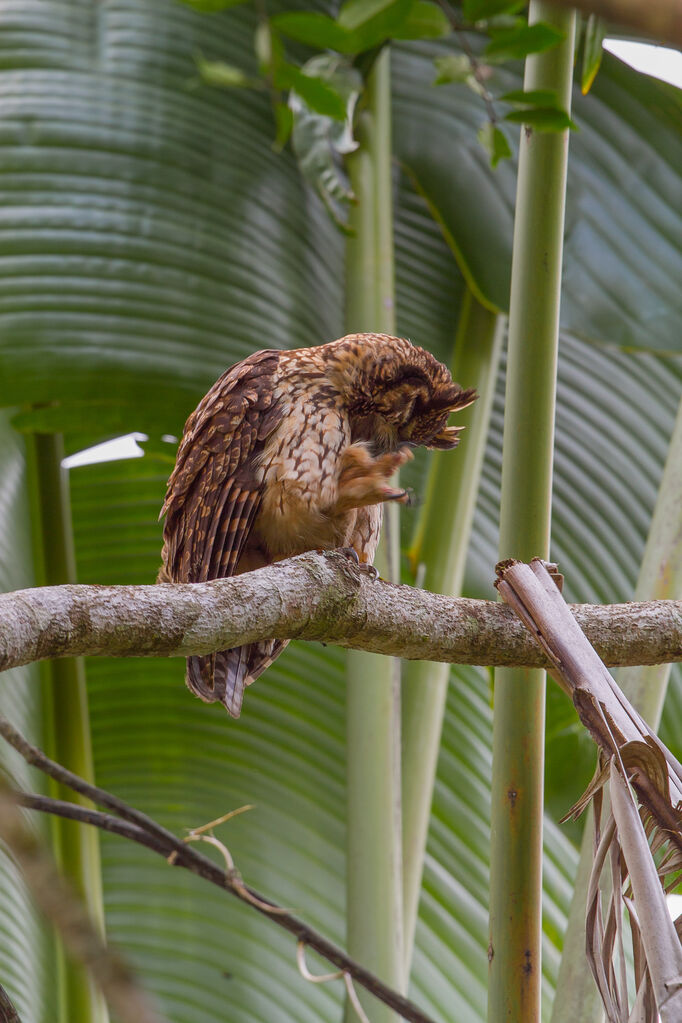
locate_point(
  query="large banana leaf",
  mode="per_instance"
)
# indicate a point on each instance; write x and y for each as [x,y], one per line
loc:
[25,944]
[286,755]
[151,237]
[623,247]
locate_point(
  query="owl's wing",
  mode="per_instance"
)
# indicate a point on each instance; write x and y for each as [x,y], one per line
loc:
[213,493]
[213,496]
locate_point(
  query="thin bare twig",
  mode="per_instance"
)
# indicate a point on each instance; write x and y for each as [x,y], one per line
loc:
[475,64]
[325,978]
[136,826]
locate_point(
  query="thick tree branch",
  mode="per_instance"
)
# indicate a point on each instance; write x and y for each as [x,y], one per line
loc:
[315,597]
[130,823]
[658,19]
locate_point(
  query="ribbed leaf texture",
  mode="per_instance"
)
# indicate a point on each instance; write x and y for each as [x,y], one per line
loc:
[27,965]
[151,237]
[623,251]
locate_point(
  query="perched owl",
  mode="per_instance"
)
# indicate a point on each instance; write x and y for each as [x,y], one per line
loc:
[290,452]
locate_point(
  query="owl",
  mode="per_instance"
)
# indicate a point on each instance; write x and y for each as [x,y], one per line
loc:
[292,451]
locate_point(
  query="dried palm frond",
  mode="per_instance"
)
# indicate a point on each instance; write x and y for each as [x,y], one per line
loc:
[637,797]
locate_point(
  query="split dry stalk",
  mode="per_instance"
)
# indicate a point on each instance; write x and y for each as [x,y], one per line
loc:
[630,755]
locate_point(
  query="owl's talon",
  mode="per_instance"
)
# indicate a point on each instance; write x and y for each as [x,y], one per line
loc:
[362,566]
[351,553]
[401,496]
[405,453]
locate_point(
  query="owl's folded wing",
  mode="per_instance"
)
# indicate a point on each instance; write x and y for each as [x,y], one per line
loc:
[212,499]
[213,494]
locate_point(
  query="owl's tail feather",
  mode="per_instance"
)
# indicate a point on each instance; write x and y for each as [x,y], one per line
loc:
[222,677]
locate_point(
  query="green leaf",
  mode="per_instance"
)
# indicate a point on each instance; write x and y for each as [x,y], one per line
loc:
[372,23]
[622,257]
[353,13]
[455,67]
[317,94]
[315,29]
[478,10]
[495,143]
[226,76]
[144,254]
[542,118]
[593,38]
[319,142]
[362,26]
[517,43]
[284,118]
[358,14]
[425,20]
[212,6]
[530,97]
[267,46]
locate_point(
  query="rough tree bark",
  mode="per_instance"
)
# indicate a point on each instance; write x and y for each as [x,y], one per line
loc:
[314,596]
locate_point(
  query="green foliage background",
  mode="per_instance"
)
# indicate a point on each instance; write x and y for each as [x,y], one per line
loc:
[150,237]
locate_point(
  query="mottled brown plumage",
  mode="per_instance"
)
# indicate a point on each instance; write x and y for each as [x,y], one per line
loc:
[293,451]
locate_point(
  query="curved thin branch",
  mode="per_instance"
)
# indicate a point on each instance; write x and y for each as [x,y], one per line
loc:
[138,827]
[314,596]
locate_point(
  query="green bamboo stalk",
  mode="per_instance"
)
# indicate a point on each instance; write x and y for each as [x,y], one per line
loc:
[374,882]
[518,727]
[660,578]
[67,725]
[441,544]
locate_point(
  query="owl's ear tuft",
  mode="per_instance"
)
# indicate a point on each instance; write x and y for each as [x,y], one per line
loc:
[463,399]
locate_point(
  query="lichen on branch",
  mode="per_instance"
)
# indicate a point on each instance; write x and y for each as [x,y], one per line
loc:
[314,596]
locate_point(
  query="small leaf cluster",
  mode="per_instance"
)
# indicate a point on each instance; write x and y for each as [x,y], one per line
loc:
[314,103]
[510,38]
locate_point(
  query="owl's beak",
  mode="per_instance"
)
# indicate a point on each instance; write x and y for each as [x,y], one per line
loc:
[447,438]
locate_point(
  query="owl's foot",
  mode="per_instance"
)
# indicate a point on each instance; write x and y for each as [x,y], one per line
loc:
[364,480]
[363,566]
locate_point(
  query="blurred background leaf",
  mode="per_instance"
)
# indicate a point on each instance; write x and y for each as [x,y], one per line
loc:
[623,249]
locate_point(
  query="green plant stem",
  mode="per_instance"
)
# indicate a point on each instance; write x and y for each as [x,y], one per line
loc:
[660,577]
[518,729]
[67,723]
[374,882]
[441,545]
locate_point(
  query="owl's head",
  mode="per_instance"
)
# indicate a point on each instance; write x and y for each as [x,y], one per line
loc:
[397,393]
